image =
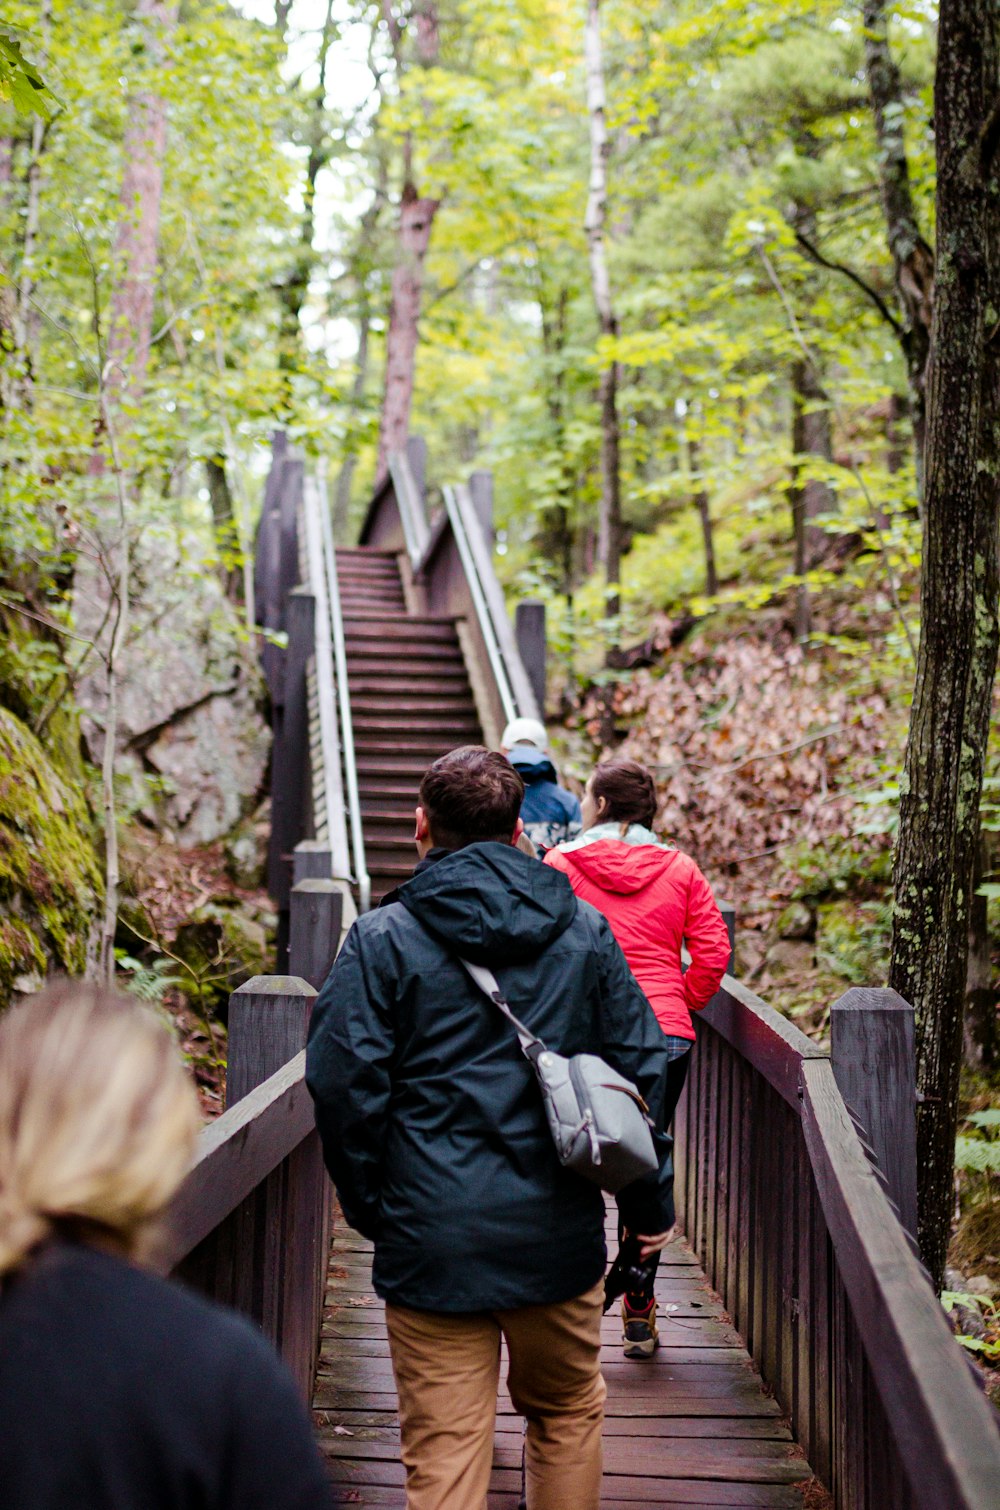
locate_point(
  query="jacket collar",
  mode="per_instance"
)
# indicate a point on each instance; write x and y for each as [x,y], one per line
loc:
[430,858]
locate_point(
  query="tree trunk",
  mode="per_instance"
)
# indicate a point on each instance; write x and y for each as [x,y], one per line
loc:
[416,221]
[811,437]
[942,783]
[701,503]
[981,1036]
[136,255]
[610,523]
[224,526]
[913,260]
[295,287]
[560,536]
[345,477]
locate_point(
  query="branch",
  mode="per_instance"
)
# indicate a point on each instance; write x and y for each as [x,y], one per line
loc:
[852,466]
[738,765]
[814,253]
[47,623]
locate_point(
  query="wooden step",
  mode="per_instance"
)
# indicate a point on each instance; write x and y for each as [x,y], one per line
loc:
[365,673]
[419,656]
[374,625]
[416,635]
[415,700]
[407,765]
[460,719]
[434,679]
[383,794]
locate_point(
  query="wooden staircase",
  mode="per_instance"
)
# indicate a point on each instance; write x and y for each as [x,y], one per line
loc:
[410,702]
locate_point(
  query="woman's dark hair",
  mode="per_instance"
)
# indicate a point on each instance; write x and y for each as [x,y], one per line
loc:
[470,795]
[629,791]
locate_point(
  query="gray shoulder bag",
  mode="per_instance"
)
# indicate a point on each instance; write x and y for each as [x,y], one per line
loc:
[599,1122]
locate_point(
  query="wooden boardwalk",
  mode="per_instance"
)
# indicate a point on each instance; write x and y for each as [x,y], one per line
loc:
[691,1426]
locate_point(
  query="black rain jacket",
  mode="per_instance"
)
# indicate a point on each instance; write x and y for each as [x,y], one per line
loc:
[431,1120]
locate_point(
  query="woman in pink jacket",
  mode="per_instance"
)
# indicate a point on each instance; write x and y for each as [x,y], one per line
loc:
[656,899]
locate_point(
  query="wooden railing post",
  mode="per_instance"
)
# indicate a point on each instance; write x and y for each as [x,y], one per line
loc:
[872,1050]
[729,918]
[311,860]
[276,1268]
[317,909]
[268,1022]
[290,783]
[529,631]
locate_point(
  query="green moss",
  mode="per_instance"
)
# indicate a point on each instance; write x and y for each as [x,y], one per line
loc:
[21,954]
[50,881]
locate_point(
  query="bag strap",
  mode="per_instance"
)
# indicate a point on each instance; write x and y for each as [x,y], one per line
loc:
[487,982]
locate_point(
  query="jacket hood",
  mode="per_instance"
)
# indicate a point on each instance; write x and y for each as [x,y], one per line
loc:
[491,902]
[531,764]
[618,866]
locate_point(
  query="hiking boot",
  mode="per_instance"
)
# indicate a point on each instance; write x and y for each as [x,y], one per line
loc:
[640,1337]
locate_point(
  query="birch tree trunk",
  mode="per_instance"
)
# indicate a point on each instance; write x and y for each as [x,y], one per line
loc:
[102,584]
[609,533]
[913,260]
[942,783]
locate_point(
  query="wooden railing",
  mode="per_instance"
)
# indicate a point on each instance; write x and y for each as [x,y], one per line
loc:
[790,1217]
[251,1225]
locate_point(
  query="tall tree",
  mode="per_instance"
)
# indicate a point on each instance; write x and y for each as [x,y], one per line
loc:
[939,817]
[416,221]
[294,286]
[912,258]
[130,324]
[609,540]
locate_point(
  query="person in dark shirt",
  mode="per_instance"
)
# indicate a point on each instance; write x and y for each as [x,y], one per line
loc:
[119,1390]
[550,814]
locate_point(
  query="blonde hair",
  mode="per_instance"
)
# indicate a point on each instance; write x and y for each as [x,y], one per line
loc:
[98,1118]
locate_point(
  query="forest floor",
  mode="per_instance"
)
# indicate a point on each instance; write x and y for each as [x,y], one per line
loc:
[778,768]
[189,934]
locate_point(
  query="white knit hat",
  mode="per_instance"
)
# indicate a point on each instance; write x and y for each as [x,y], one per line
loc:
[525,731]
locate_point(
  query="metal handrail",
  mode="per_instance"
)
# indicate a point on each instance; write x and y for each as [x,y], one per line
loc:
[336,621]
[485,618]
[324,661]
[412,514]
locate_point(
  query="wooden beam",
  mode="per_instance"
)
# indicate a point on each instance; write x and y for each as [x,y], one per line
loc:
[944,1428]
[770,1043]
[268,1022]
[316,915]
[236,1153]
[873,1055]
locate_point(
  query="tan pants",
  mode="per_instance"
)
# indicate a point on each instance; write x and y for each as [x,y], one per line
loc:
[447,1369]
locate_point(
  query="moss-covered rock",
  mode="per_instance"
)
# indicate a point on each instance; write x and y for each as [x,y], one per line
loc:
[224,946]
[51,886]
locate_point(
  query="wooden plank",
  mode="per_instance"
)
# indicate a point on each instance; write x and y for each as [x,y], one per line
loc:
[760,1035]
[317,908]
[268,1023]
[235,1153]
[629,1490]
[384,1425]
[942,1424]
[873,1055]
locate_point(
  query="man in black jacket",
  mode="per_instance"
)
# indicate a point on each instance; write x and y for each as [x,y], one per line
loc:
[435,1135]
